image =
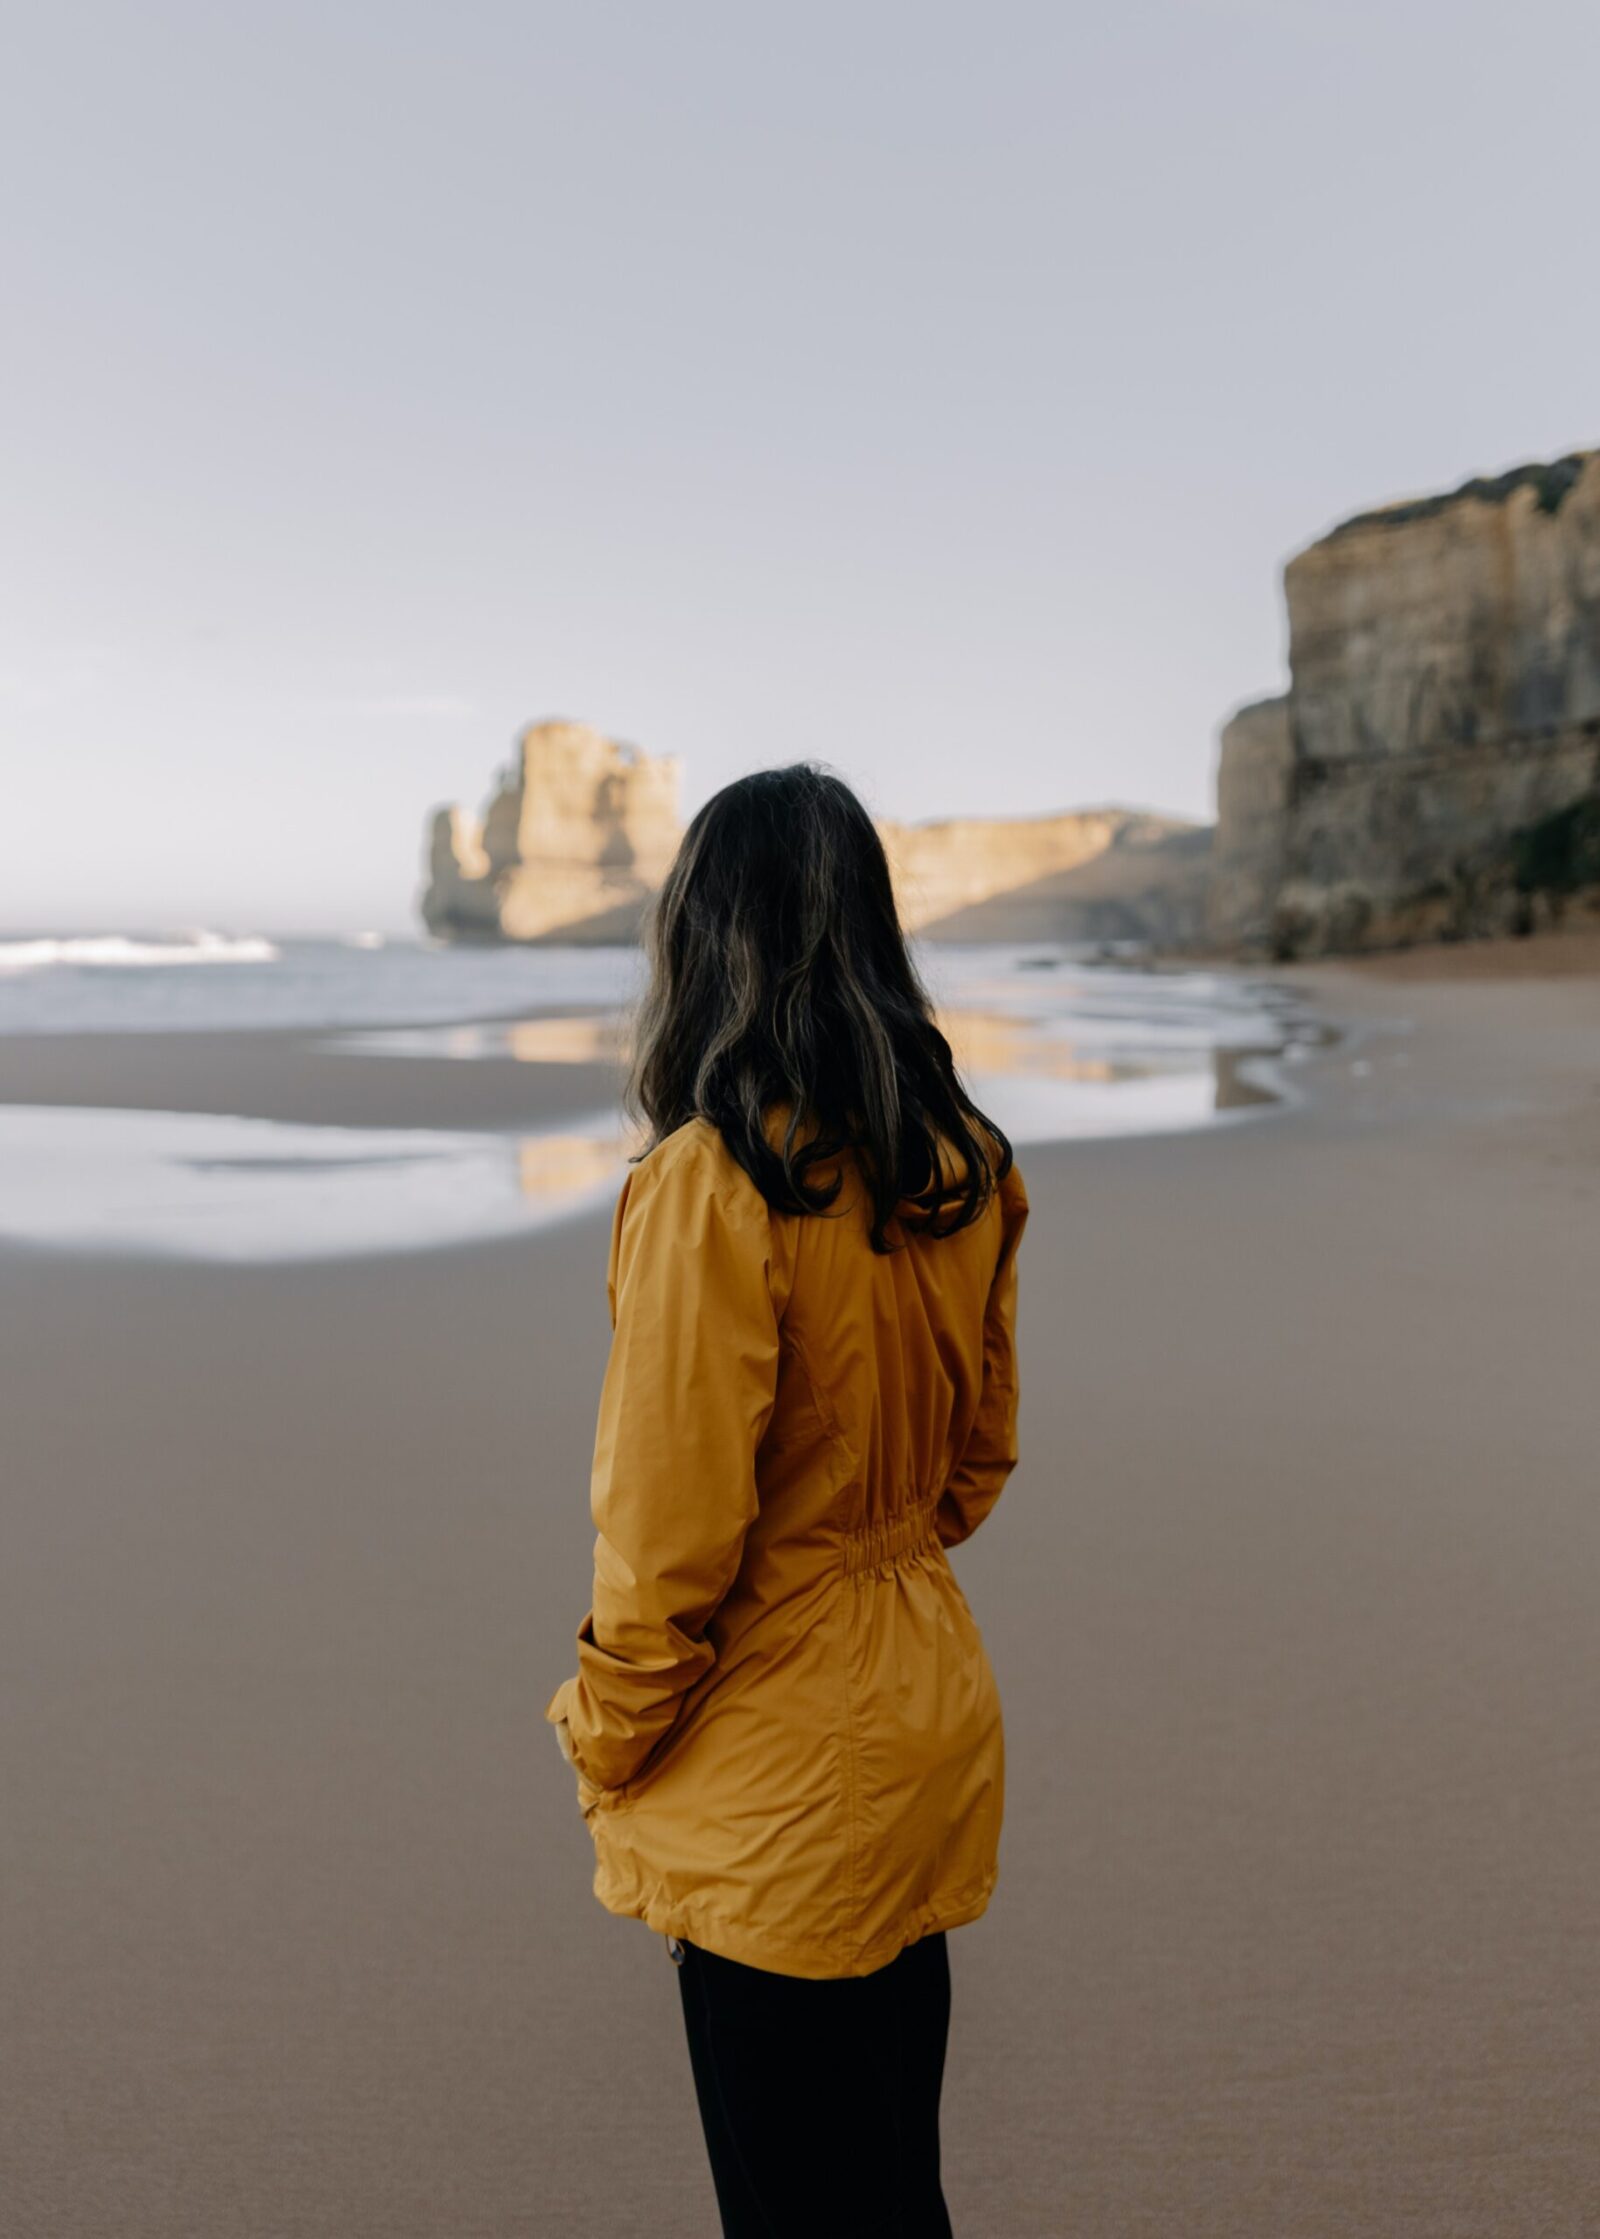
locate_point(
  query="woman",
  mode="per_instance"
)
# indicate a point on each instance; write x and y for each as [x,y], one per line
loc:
[785,1729]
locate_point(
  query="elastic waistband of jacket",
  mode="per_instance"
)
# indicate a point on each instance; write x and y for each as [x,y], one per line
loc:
[886,1542]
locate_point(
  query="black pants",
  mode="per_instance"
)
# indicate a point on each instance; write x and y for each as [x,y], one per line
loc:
[820,2100]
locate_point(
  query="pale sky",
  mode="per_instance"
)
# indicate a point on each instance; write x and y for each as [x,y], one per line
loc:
[935,389]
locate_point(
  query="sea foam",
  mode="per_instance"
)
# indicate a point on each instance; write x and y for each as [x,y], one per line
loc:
[121,951]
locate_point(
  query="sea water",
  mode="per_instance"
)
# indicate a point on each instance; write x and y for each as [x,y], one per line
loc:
[1054,1043]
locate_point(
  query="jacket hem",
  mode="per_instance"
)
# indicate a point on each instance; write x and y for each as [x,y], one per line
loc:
[813,1959]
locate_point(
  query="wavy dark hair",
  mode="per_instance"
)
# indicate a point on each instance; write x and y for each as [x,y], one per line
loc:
[780,976]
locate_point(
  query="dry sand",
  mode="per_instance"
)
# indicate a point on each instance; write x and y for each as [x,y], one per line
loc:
[1293,1603]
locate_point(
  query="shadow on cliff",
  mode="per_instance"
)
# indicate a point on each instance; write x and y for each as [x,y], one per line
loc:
[1148,885]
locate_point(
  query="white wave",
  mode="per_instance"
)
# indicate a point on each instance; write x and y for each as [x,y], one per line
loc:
[118,952]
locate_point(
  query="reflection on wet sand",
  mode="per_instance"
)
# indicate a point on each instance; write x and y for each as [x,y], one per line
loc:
[991,1043]
[558,1167]
[1060,1045]
[994,1044]
[597,1040]
[1052,1055]
[206,1186]
[554,1038]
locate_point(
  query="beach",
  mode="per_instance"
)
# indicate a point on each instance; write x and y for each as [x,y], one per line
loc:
[1292,1602]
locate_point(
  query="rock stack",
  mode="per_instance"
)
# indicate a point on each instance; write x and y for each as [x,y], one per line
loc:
[576,839]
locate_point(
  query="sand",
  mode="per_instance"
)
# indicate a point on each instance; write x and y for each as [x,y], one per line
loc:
[300,1078]
[1294,1608]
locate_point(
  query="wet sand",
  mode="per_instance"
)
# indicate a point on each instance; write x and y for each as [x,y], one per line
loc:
[311,1079]
[1294,1608]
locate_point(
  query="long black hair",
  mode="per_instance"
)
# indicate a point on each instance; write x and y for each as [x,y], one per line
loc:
[780,977]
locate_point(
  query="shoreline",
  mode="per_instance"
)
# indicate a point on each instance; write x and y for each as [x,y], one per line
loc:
[327,1074]
[297,1075]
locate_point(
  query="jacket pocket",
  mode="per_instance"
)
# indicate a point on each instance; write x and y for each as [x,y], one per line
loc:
[590,1799]
[600,1803]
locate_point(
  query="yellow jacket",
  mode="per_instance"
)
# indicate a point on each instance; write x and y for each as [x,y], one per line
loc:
[785,1727]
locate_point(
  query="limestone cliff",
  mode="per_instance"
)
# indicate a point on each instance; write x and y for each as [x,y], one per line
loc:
[1093,875]
[580,833]
[576,839]
[1247,856]
[1444,700]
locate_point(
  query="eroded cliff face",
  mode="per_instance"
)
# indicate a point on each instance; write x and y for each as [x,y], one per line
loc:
[1094,875]
[1444,700]
[581,831]
[575,841]
[1254,771]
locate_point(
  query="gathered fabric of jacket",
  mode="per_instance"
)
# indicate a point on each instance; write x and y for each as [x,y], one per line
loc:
[786,1730]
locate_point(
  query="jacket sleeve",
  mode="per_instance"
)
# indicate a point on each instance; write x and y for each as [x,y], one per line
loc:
[990,1453]
[688,1390]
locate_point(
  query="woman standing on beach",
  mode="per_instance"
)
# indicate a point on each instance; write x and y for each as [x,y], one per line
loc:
[785,1729]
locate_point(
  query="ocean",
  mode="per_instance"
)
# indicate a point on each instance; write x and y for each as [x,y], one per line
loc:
[1054,1043]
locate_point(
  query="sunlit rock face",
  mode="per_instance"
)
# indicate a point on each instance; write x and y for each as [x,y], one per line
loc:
[1444,706]
[1094,875]
[581,831]
[575,841]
